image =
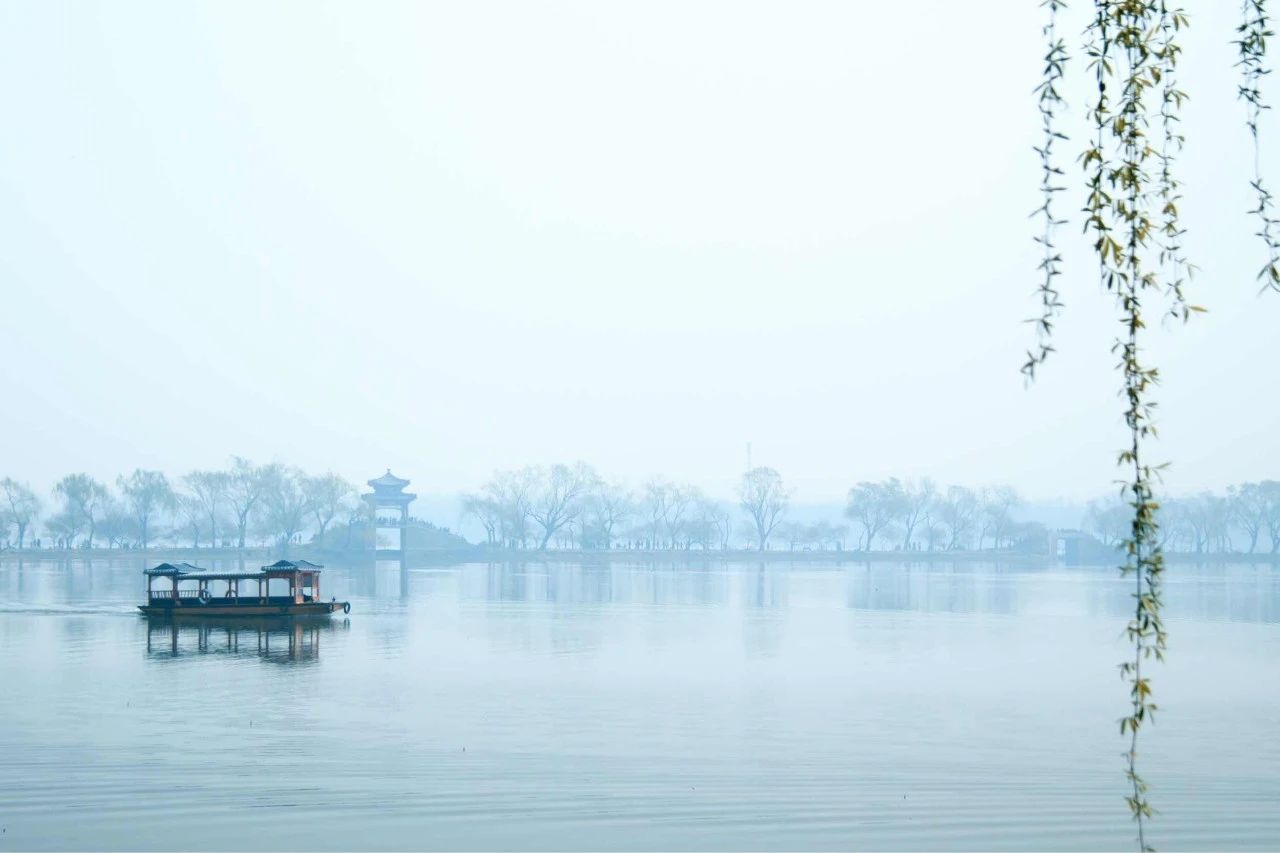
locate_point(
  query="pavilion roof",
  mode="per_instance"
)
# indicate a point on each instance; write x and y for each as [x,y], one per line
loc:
[388,481]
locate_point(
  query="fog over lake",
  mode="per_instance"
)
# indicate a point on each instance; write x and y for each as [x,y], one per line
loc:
[449,238]
[717,513]
[634,706]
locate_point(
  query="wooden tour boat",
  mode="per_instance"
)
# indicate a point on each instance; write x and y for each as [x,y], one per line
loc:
[189,591]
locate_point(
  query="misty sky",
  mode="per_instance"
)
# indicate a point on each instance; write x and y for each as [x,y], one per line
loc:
[450,238]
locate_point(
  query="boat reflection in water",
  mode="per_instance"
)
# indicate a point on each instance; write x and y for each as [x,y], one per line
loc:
[276,640]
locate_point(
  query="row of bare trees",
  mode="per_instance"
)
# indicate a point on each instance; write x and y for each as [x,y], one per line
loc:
[917,515]
[1237,521]
[230,506]
[573,506]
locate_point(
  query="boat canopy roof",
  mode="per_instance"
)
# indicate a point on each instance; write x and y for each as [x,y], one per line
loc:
[280,568]
[288,566]
[173,569]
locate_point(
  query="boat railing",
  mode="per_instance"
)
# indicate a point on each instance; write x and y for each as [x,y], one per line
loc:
[166,594]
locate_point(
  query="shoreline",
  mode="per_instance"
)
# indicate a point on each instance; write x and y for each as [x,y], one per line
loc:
[485,554]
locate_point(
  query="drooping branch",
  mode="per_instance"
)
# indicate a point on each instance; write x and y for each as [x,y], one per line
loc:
[1177,270]
[1134,218]
[1050,102]
[1254,31]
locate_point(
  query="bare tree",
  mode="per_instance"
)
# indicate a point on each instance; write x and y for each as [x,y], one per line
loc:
[557,499]
[607,506]
[722,521]
[701,526]
[1271,496]
[211,489]
[680,501]
[119,525]
[246,484]
[512,494]
[998,503]
[1108,519]
[1248,506]
[1217,510]
[64,526]
[1177,532]
[823,533]
[655,498]
[1189,522]
[191,514]
[764,499]
[285,500]
[21,506]
[934,530]
[145,494]
[663,509]
[913,509]
[793,533]
[958,511]
[1203,521]
[327,495]
[875,505]
[486,511]
[82,498]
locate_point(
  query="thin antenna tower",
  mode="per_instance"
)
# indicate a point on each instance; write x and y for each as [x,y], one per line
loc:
[749,456]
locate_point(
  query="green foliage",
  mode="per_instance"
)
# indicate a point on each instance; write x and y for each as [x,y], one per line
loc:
[1254,31]
[1131,214]
[1132,217]
[1050,102]
[1128,212]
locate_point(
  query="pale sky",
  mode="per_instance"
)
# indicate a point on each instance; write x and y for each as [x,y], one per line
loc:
[448,238]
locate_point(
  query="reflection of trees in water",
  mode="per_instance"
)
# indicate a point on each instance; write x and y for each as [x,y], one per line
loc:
[596,583]
[692,584]
[766,586]
[931,587]
[274,641]
[1237,592]
[765,594]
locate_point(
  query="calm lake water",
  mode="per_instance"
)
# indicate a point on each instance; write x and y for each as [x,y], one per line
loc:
[637,706]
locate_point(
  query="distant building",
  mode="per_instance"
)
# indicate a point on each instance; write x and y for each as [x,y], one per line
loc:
[389,503]
[1075,547]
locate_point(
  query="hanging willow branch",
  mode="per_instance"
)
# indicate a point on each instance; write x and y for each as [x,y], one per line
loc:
[1094,160]
[1173,260]
[1131,214]
[1254,31]
[1133,218]
[1143,40]
[1050,101]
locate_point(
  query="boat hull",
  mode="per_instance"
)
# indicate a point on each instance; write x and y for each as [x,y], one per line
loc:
[197,610]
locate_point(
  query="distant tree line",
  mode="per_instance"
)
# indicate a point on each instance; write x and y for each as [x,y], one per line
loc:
[573,506]
[567,506]
[1244,519]
[235,506]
